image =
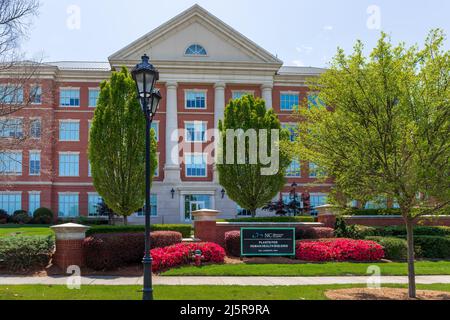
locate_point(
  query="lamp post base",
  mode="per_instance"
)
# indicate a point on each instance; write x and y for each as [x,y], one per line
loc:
[148,288]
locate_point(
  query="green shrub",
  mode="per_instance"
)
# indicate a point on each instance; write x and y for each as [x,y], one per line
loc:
[184,229]
[43,216]
[400,231]
[272,219]
[386,212]
[394,248]
[4,217]
[433,247]
[21,217]
[25,252]
[84,220]
[342,230]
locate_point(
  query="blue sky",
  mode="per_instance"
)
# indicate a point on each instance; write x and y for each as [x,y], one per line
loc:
[300,32]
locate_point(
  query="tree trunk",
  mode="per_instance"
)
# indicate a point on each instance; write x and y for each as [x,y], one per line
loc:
[125,220]
[411,258]
[253,211]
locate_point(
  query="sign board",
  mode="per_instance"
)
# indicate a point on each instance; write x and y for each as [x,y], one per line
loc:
[268,242]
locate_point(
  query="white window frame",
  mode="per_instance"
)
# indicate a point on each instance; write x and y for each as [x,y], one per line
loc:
[201,123]
[156,122]
[31,89]
[33,193]
[297,93]
[300,166]
[21,119]
[243,92]
[91,194]
[59,163]
[195,154]
[12,193]
[89,97]
[68,194]
[12,174]
[157,173]
[40,125]
[187,91]
[69,88]
[68,121]
[29,163]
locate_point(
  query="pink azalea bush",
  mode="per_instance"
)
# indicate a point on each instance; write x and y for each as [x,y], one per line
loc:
[339,250]
[182,254]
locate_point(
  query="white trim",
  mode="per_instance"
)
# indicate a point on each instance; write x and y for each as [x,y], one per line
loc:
[186,91]
[68,193]
[243,91]
[195,122]
[29,163]
[11,192]
[89,98]
[34,192]
[196,55]
[203,154]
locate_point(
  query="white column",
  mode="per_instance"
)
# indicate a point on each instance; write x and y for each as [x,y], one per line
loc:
[219,111]
[267,94]
[172,167]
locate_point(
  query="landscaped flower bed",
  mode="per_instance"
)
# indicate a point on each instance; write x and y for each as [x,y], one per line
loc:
[339,250]
[182,254]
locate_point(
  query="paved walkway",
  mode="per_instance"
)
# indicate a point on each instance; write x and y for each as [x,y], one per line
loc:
[241,281]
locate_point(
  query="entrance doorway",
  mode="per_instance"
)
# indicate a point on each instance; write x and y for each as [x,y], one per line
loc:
[195,203]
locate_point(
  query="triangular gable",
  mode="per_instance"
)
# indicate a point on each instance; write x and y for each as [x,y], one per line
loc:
[195,25]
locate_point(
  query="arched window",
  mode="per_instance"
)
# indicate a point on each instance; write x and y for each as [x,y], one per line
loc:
[195,50]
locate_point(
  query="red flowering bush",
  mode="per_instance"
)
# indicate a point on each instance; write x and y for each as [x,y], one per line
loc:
[182,254]
[233,243]
[339,250]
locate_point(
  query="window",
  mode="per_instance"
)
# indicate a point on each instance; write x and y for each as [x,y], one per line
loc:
[240,94]
[243,212]
[292,129]
[89,169]
[155,127]
[11,128]
[195,50]
[35,128]
[195,100]
[69,98]
[36,95]
[315,102]
[294,169]
[315,171]
[153,207]
[156,174]
[69,164]
[93,97]
[35,163]
[318,200]
[10,202]
[68,205]
[195,165]
[10,94]
[34,202]
[378,203]
[93,201]
[288,101]
[196,131]
[11,163]
[69,131]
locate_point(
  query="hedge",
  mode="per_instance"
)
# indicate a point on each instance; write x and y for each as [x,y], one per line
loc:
[385,212]
[43,216]
[23,253]
[112,251]
[184,229]
[400,231]
[271,219]
[394,248]
[433,247]
[314,233]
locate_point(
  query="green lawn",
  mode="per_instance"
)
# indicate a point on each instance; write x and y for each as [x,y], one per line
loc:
[29,230]
[325,269]
[39,292]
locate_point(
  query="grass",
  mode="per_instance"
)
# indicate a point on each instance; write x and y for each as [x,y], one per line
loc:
[29,230]
[325,269]
[240,293]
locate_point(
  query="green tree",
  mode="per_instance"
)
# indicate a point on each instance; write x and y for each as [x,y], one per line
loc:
[117,146]
[244,177]
[388,132]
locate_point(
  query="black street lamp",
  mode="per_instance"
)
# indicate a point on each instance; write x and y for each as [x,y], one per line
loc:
[145,75]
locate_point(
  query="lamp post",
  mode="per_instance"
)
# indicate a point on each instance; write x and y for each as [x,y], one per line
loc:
[145,75]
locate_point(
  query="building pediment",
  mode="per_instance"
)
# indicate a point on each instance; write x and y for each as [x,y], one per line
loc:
[195,37]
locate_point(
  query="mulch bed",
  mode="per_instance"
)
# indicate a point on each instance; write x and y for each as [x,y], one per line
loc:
[384,294]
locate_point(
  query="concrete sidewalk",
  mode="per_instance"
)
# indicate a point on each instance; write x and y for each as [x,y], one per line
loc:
[217,281]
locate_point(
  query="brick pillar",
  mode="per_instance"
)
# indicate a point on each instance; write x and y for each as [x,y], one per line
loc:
[69,245]
[327,215]
[205,225]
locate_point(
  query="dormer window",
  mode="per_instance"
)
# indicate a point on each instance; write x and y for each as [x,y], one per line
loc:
[195,50]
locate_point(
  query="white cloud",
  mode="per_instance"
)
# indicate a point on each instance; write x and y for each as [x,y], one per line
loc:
[328,28]
[298,63]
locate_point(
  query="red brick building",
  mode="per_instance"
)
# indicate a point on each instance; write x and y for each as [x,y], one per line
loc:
[203,63]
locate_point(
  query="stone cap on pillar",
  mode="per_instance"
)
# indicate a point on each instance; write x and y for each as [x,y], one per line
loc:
[327,209]
[205,215]
[70,231]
